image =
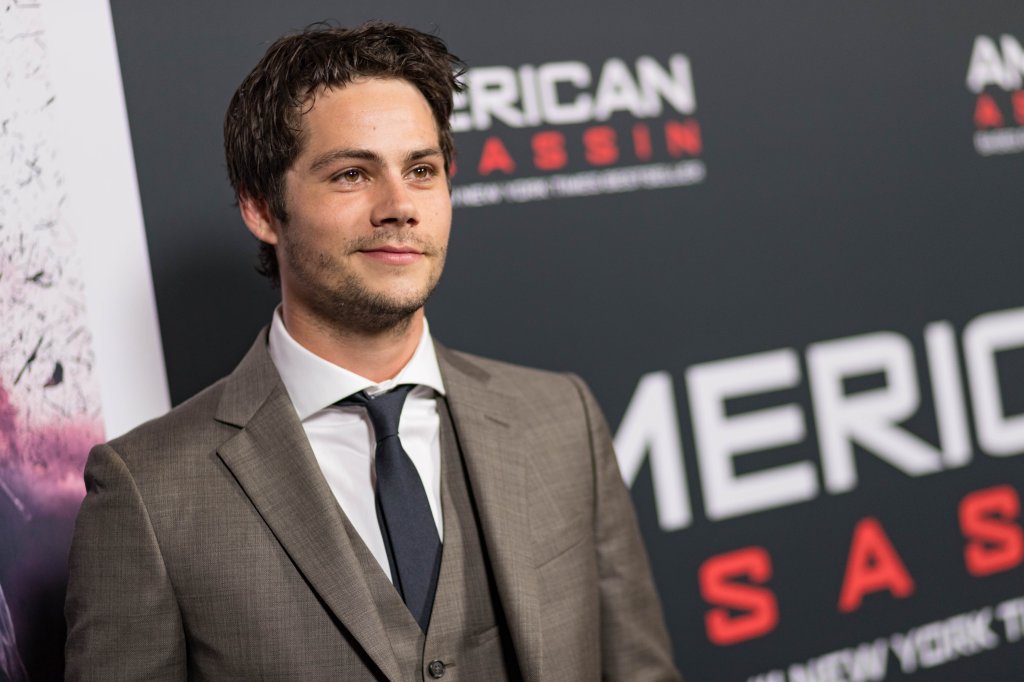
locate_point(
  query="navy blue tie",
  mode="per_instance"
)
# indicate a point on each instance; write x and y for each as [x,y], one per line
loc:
[406,522]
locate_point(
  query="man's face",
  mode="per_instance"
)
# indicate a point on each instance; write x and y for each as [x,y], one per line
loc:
[368,205]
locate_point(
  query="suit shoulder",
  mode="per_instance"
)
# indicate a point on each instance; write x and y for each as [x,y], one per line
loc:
[513,373]
[189,424]
[545,389]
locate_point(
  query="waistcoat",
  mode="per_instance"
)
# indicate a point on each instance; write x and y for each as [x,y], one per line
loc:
[467,638]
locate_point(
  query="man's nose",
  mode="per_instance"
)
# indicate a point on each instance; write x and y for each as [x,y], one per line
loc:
[394,205]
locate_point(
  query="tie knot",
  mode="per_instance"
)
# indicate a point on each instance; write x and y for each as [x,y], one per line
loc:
[384,410]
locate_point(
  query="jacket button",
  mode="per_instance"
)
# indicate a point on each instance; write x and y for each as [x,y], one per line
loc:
[436,669]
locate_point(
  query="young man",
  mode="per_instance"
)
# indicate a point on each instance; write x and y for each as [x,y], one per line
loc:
[282,524]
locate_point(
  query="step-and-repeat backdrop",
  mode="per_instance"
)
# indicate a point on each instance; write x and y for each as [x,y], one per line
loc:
[781,241]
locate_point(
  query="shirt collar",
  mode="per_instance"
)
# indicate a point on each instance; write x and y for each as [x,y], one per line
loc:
[314,383]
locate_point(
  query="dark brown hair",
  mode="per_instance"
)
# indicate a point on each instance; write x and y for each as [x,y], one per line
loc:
[263,125]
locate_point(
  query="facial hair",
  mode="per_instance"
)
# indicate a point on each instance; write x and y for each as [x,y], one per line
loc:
[341,299]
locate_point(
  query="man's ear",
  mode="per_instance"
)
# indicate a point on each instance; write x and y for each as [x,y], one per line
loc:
[258,218]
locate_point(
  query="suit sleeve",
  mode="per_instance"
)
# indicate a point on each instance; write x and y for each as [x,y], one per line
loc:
[122,616]
[634,642]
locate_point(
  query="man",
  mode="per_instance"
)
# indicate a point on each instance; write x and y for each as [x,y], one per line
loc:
[281,524]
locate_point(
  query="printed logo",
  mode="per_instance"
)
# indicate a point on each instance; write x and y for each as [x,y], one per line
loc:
[996,77]
[565,129]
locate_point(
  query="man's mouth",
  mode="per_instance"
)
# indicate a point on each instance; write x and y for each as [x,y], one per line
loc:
[388,248]
[393,254]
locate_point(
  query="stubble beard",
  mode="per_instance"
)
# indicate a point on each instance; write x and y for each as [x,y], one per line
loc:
[342,302]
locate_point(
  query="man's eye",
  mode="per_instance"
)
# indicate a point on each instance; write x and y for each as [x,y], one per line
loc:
[423,172]
[351,175]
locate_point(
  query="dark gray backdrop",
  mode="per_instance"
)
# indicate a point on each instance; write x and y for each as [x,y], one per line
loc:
[843,196]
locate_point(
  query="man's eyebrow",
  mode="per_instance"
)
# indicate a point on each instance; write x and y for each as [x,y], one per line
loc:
[334,155]
[329,157]
[423,153]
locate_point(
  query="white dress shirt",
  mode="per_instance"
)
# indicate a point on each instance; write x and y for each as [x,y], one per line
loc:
[342,437]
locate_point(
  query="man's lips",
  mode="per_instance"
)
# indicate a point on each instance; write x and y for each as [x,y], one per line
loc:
[393,255]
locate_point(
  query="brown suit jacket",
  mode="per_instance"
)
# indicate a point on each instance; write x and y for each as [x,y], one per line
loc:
[209,545]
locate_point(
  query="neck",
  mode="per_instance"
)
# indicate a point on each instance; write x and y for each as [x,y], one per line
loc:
[377,355]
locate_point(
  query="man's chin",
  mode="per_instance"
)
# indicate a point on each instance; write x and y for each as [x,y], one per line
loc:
[370,312]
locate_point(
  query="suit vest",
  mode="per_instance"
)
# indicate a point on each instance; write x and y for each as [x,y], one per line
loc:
[467,638]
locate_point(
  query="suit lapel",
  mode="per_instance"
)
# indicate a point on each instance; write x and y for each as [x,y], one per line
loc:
[485,421]
[272,461]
